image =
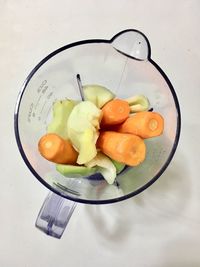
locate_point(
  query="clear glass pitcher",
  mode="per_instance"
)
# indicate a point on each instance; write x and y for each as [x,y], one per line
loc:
[122,64]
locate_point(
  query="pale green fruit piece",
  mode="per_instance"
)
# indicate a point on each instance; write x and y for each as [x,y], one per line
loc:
[87,145]
[118,165]
[61,112]
[104,166]
[97,94]
[82,128]
[138,103]
[72,171]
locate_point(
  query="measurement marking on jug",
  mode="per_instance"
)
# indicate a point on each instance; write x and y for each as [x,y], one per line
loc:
[49,95]
[45,89]
[43,107]
[37,103]
[41,86]
[30,112]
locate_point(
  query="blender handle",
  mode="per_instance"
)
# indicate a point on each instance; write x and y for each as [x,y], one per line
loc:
[54,215]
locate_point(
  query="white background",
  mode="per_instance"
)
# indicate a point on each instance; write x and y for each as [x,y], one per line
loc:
[159,227]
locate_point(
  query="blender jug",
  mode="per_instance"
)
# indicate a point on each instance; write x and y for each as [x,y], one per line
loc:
[122,64]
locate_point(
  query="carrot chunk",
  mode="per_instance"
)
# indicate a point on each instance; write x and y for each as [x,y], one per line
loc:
[126,148]
[115,112]
[54,148]
[144,124]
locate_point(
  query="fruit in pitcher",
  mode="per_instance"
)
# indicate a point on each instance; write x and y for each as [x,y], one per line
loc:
[99,134]
[104,166]
[82,129]
[74,171]
[138,103]
[87,145]
[97,94]
[61,112]
[118,165]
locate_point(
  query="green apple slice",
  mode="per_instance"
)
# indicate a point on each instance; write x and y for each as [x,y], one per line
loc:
[104,166]
[72,171]
[118,165]
[97,94]
[138,103]
[87,148]
[61,112]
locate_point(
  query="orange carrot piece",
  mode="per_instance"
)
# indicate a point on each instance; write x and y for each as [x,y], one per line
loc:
[126,148]
[144,124]
[115,112]
[54,148]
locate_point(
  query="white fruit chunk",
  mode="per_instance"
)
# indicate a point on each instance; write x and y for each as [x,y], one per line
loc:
[61,112]
[97,94]
[104,166]
[138,103]
[82,129]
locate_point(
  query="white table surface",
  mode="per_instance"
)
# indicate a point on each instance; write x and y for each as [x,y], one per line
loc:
[161,226]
